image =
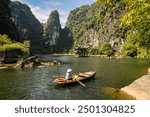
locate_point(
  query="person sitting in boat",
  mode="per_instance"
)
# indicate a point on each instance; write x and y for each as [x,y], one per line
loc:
[68,75]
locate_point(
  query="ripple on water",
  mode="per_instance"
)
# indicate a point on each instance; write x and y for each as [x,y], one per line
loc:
[37,83]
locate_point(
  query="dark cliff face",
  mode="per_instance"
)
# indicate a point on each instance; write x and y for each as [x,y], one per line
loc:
[87,25]
[56,39]
[28,26]
[52,30]
[66,40]
[95,24]
[49,38]
[6,24]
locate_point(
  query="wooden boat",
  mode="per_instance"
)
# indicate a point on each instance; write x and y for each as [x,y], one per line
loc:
[76,78]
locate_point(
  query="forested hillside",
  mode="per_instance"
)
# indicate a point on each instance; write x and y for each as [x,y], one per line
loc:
[110,27]
[98,23]
[121,24]
[137,21]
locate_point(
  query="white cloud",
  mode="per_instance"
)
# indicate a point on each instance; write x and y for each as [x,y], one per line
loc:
[55,3]
[40,14]
[63,17]
[14,0]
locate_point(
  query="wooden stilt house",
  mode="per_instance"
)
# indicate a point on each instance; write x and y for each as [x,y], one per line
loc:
[81,51]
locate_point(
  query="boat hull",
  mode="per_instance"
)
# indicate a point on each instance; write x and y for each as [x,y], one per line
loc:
[80,77]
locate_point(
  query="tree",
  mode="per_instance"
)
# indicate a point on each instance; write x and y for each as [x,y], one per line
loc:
[106,49]
[137,19]
[129,49]
[7,44]
[95,51]
[26,43]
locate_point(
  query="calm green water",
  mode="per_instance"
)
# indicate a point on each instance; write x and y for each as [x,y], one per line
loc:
[37,83]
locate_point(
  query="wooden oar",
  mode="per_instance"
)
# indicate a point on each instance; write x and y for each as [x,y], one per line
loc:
[76,78]
[81,83]
[57,76]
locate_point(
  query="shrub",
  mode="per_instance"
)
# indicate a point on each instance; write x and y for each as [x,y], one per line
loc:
[7,44]
[94,51]
[106,49]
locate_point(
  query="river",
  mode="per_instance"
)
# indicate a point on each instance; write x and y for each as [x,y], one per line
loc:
[37,83]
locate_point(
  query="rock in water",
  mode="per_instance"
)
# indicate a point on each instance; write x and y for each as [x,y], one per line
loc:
[140,88]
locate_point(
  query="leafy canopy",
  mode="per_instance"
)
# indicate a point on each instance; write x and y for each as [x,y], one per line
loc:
[106,49]
[137,19]
[6,44]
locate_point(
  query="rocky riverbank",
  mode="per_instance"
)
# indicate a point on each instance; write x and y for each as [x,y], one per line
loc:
[29,62]
[140,88]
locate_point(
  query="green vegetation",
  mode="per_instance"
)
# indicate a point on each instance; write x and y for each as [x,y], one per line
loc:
[106,49]
[137,20]
[97,23]
[77,23]
[6,44]
[125,22]
[95,51]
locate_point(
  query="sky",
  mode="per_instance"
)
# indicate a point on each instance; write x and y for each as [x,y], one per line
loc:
[42,8]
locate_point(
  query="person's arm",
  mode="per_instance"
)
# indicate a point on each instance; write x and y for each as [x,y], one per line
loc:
[71,74]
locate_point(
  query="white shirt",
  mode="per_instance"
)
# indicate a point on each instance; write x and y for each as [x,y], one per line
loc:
[68,75]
